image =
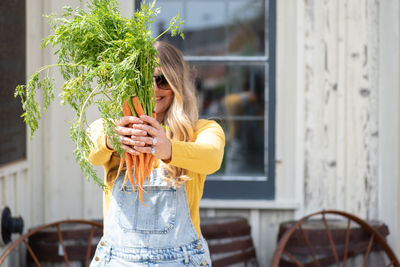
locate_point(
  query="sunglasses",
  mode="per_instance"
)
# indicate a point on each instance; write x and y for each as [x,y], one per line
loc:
[161,82]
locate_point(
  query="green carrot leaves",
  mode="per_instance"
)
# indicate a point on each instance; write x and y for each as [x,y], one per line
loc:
[104,59]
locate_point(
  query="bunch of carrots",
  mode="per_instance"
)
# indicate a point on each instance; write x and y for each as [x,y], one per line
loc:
[141,164]
[100,46]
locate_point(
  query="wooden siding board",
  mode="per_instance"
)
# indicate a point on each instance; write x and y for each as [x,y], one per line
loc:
[269,227]
[316,99]
[34,11]
[25,206]
[329,107]
[355,204]
[341,143]
[286,133]
[254,221]
[62,175]
[341,73]
[20,198]
[92,198]
[9,191]
[362,126]
[372,73]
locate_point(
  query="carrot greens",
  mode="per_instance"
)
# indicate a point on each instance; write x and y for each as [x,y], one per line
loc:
[104,59]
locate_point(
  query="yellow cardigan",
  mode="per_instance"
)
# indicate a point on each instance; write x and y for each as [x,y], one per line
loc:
[200,157]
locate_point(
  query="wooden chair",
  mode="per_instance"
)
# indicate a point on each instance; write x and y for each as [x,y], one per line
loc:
[333,238]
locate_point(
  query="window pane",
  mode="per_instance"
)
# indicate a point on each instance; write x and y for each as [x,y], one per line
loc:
[246,28]
[234,96]
[12,73]
[216,28]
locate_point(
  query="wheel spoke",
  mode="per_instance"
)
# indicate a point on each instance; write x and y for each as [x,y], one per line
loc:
[346,245]
[28,247]
[309,247]
[371,241]
[293,259]
[60,238]
[330,239]
[89,246]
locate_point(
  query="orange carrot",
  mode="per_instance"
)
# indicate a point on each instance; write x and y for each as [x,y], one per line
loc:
[136,163]
[129,165]
[121,164]
[124,182]
[126,109]
[127,112]
[142,164]
[138,107]
[146,165]
[141,177]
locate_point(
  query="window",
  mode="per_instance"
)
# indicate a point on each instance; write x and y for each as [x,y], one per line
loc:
[12,73]
[230,43]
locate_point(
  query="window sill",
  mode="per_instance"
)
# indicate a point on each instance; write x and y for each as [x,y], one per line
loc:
[249,204]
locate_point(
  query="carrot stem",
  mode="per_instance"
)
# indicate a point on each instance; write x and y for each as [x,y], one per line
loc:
[133,112]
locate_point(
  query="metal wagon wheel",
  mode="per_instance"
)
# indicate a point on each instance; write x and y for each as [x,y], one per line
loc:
[341,247]
[24,239]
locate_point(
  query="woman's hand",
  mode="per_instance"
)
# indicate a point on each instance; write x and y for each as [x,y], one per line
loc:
[157,142]
[125,132]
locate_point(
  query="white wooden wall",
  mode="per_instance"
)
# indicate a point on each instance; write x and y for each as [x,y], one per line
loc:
[351,109]
[65,194]
[337,114]
[334,107]
[49,186]
[341,111]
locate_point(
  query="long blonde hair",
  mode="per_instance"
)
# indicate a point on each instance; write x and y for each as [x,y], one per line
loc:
[182,115]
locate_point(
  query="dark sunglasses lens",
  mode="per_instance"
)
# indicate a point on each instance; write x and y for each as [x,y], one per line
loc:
[161,81]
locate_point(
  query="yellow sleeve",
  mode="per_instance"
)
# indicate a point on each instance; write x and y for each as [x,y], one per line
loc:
[100,154]
[205,154]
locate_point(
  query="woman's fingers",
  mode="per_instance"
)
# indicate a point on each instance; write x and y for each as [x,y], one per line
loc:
[128,120]
[130,131]
[148,128]
[130,150]
[131,141]
[152,121]
[162,150]
[143,149]
[146,135]
[143,139]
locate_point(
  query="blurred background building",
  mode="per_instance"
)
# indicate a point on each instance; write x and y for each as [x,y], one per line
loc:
[306,91]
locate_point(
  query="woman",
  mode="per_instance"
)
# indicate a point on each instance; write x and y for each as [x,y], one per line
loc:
[166,232]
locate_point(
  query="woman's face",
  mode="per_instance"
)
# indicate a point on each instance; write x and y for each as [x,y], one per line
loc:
[164,96]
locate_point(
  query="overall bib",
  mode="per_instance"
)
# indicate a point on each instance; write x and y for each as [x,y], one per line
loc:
[161,234]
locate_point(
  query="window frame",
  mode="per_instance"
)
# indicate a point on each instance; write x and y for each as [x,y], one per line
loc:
[255,189]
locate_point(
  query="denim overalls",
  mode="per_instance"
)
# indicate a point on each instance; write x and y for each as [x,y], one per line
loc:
[161,234]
